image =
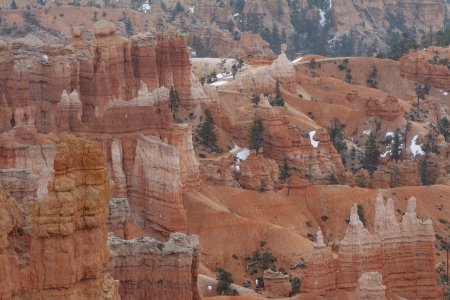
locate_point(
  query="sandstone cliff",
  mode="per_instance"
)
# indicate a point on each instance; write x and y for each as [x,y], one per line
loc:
[62,254]
[427,65]
[149,269]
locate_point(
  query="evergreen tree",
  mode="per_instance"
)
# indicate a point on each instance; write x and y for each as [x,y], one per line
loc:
[256,134]
[371,154]
[429,146]
[424,171]
[372,81]
[336,132]
[206,133]
[174,100]
[276,40]
[361,215]
[333,179]
[224,281]
[444,128]
[279,100]
[13,4]
[348,75]
[284,172]
[262,186]
[255,99]
[396,148]
[422,91]
[253,22]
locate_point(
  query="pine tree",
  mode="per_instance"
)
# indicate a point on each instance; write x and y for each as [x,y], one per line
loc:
[279,100]
[422,91]
[256,134]
[206,133]
[396,148]
[372,81]
[284,172]
[444,128]
[262,186]
[224,281]
[13,4]
[336,132]
[429,146]
[255,99]
[276,39]
[174,101]
[371,154]
[424,171]
[348,76]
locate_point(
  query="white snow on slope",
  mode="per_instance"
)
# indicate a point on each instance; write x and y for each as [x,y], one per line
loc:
[297,60]
[243,154]
[219,83]
[416,149]
[314,143]
[146,7]
[322,20]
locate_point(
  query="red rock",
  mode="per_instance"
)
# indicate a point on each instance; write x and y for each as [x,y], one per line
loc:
[370,287]
[64,253]
[276,283]
[320,277]
[359,252]
[256,169]
[420,66]
[148,268]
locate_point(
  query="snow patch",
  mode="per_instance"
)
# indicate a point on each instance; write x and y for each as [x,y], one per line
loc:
[445,93]
[236,14]
[389,133]
[314,143]
[192,9]
[386,153]
[240,153]
[219,83]
[323,19]
[45,57]
[297,60]
[243,154]
[367,132]
[416,149]
[146,7]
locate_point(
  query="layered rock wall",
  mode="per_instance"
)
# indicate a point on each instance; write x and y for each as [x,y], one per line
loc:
[155,187]
[149,269]
[427,65]
[62,254]
[402,253]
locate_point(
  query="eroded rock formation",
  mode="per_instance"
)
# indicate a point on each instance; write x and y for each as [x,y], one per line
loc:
[359,252]
[62,254]
[276,283]
[402,253]
[427,65]
[370,287]
[148,268]
[321,275]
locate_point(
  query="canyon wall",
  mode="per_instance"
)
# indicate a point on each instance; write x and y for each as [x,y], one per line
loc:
[63,252]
